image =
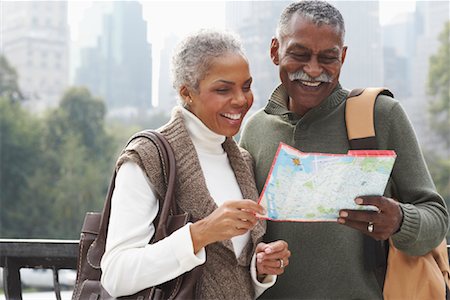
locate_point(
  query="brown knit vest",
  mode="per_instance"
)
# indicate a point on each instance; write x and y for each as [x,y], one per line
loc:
[224,276]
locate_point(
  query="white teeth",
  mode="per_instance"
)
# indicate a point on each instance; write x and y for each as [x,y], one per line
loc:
[309,83]
[232,116]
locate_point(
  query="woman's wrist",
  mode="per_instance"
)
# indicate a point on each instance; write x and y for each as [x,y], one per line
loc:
[197,236]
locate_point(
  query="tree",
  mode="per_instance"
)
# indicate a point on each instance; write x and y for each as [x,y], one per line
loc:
[54,168]
[19,157]
[439,111]
[9,87]
[80,158]
[439,88]
[80,112]
[19,153]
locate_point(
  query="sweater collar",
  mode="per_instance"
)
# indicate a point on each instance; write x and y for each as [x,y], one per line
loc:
[278,102]
[203,138]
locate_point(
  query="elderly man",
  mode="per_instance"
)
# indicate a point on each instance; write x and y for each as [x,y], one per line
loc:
[338,260]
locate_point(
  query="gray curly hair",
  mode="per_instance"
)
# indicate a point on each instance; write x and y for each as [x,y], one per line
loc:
[319,12]
[193,56]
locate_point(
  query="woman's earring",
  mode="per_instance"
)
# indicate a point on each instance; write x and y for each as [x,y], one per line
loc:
[190,100]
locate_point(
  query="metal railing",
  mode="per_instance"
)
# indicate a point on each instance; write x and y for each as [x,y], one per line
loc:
[31,253]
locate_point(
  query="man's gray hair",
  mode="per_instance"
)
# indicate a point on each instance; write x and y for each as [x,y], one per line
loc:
[193,56]
[318,12]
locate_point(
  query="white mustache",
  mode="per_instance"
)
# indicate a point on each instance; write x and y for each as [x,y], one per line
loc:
[300,75]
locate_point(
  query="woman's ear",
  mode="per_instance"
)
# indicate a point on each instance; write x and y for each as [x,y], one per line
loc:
[185,94]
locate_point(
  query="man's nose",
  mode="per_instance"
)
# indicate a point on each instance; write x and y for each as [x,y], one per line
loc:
[313,68]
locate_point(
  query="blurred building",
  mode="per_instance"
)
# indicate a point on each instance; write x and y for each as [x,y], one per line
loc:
[86,31]
[431,17]
[119,67]
[256,22]
[167,96]
[363,66]
[35,39]
[397,73]
[399,47]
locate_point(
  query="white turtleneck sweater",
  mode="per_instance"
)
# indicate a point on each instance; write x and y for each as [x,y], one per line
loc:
[130,264]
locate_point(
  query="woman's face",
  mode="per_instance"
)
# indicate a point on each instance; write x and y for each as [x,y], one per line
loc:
[224,95]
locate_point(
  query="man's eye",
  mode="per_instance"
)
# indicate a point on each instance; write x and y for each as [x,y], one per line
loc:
[301,56]
[328,59]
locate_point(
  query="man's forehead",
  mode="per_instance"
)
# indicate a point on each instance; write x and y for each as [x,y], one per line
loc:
[294,44]
[302,25]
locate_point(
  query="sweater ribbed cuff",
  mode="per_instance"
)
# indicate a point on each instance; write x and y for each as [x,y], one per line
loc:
[409,230]
[184,250]
[260,287]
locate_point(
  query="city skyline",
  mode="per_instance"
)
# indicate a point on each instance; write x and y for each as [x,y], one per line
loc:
[155,13]
[190,16]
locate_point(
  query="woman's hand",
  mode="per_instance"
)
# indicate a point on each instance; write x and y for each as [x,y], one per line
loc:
[272,258]
[230,219]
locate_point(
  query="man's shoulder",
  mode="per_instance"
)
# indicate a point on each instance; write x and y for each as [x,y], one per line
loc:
[258,114]
[258,118]
[387,99]
[385,104]
[253,122]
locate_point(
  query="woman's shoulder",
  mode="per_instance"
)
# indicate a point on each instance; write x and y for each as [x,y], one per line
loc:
[140,150]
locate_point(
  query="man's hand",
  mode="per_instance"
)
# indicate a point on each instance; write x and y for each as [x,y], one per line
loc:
[380,224]
[272,258]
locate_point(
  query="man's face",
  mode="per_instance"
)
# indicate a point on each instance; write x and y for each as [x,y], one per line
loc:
[310,58]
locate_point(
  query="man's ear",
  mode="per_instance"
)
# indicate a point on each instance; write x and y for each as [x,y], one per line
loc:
[344,53]
[274,48]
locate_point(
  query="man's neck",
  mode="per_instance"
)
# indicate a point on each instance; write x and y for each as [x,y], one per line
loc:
[300,110]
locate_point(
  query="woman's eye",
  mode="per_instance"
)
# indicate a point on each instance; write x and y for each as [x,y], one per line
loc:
[222,91]
[246,88]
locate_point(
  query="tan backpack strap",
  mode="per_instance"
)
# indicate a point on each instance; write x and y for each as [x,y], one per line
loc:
[359,117]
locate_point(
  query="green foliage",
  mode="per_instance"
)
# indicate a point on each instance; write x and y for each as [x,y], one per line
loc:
[439,87]
[19,157]
[439,111]
[80,158]
[79,112]
[55,168]
[9,87]
[440,171]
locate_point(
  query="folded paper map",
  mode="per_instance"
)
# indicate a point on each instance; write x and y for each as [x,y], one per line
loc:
[310,187]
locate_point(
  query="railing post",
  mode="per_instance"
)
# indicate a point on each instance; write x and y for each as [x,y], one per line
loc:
[11,279]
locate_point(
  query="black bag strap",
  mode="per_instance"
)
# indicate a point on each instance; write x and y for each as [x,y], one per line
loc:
[167,205]
[360,123]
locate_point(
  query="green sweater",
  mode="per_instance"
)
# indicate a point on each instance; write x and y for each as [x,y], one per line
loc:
[327,259]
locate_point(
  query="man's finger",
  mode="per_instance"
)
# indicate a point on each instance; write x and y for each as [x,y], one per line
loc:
[359,215]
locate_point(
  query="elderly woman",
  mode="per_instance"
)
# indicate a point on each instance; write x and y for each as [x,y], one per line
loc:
[215,185]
